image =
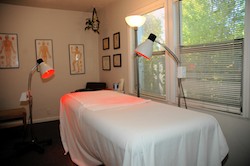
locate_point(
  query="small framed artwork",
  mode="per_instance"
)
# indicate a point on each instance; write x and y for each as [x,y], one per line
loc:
[106,64]
[116,40]
[9,51]
[44,50]
[76,59]
[117,61]
[105,43]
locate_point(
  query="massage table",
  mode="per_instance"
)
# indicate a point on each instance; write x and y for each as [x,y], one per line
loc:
[115,129]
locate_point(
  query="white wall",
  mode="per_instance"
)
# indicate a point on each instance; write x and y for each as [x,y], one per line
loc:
[67,27]
[236,129]
[113,20]
[63,27]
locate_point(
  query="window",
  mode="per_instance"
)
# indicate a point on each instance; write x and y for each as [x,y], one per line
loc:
[152,72]
[211,48]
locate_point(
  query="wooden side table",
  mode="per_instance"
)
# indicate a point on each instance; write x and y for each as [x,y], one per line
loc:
[13,115]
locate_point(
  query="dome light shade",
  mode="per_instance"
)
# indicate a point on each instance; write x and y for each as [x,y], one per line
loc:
[135,20]
[145,49]
[46,71]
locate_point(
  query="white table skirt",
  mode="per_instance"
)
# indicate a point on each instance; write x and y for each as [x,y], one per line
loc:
[100,127]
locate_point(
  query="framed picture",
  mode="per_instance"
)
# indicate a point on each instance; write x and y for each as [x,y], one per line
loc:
[76,59]
[117,61]
[44,50]
[106,64]
[105,43]
[116,40]
[9,51]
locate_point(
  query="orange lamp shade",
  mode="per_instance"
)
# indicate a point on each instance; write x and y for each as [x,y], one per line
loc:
[46,71]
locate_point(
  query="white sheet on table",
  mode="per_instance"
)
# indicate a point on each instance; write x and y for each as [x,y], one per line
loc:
[96,101]
[145,134]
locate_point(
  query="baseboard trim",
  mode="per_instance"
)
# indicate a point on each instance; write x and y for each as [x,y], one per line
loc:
[46,119]
[20,122]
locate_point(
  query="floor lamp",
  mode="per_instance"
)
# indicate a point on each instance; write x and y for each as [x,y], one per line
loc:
[46,71]
[145,50]
[136,21]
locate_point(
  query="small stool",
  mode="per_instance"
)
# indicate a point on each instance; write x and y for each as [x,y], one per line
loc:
[13,115]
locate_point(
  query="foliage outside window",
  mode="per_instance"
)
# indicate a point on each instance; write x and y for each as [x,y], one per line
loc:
[212,34]
[152,72]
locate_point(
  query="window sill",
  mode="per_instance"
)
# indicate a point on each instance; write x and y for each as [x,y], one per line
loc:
[217,112]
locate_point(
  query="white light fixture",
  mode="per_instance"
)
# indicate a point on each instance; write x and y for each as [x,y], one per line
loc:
[145,50]
[136,21]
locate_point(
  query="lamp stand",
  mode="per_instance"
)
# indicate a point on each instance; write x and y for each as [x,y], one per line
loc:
[145,49]
[33,144]
[137,64]
[179,92]
[180,89]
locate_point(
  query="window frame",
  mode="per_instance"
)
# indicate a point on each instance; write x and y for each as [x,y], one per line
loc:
[246,65]
[172,41]
[161,52]
[131,46]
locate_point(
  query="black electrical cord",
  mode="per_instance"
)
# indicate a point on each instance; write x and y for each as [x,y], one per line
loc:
[183,96]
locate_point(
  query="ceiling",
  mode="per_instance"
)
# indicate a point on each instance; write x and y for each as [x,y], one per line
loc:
[75,5]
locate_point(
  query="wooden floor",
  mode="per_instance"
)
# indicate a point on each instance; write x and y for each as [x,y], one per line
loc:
[14,152]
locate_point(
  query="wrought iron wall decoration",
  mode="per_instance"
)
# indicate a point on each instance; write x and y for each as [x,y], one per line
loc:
[94,23]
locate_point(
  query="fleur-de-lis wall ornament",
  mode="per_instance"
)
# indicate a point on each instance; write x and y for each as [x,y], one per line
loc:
[94,23]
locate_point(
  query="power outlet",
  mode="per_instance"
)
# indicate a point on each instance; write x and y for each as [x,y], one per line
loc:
[181,73]
[24,96]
